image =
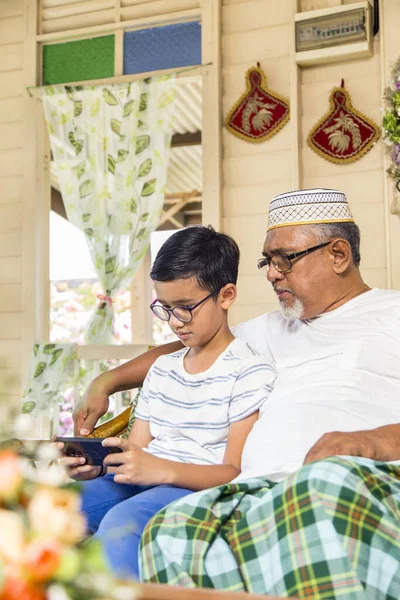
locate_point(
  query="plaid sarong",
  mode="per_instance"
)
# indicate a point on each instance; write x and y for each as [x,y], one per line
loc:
[331,530]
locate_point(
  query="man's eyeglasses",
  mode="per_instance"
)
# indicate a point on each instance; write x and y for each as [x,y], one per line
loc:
[182,313]
[283,262]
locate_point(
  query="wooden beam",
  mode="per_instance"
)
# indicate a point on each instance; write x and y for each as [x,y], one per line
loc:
[186,139]
[156,591]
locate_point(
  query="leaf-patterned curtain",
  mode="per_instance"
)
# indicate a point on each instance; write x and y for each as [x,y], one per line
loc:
[52,368]
[110,145]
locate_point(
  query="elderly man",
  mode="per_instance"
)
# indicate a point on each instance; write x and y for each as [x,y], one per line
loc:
[332,527]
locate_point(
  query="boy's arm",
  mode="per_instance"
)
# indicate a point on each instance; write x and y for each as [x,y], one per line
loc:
[143,468]
[94,403]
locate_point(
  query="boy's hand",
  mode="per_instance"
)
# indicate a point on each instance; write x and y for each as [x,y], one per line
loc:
[134,465]
[75,466]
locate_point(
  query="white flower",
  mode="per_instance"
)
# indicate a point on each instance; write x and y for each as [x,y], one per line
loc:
[55,513]
[12,538]
[57,592]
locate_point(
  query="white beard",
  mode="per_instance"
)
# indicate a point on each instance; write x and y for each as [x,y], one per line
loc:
[293,312]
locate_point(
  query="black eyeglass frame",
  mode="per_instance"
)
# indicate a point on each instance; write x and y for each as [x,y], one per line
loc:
[266,261]
[170,311]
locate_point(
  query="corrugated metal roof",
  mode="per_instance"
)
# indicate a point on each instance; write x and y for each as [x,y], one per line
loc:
[188,106]
[185,170]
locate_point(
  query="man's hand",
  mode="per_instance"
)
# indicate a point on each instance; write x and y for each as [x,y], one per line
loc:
[134,465]
[374,443]
[94,404]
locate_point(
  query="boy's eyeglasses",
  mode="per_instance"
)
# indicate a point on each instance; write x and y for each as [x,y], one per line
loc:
[182,313]
[282,262]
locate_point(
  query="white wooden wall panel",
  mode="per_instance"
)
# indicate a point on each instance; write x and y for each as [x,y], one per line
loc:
[11,109]
[143,10]
[11,57]
[255,45]
[11,168]
[255,14]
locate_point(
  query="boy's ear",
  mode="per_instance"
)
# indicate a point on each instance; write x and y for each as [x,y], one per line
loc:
[227,295]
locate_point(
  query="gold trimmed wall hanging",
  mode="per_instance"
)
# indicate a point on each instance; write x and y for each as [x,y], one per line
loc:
[343,135]
[259,113]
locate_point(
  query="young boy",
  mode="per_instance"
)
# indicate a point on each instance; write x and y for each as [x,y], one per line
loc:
[196,406]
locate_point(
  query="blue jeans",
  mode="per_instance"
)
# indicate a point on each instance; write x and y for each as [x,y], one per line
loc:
[118,513]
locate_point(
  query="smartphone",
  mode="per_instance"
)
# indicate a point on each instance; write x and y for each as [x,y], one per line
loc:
[90,448]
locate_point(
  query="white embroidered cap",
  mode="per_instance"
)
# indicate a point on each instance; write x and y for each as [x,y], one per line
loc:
[305,207]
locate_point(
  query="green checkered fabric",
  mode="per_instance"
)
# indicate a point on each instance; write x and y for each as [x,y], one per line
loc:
[331,530]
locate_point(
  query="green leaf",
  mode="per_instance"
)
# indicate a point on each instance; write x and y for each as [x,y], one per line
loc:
[111,164]
[143,102]
[70,91]
[144,216]
[145,167]
[141,143]
[128,108]
[56,356]
[46,385]
[140,123]
[116,126]
[49,349]
[64,118]
[28,407]
[86,217]
[89,232]
[77,108]
[142,233]
[94,109]
[40,367]
[109,97]
[35,349]
[133,206]
[86,188]
[166,98]
[49,91]
[149,187]
[110,265]
[122,154]
[79,169]
[77,144]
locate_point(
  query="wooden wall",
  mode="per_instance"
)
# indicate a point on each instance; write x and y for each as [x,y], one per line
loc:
[252,30]
[11,186]
[262,30]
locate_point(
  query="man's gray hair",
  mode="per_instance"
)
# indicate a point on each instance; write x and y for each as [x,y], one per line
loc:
[348,231]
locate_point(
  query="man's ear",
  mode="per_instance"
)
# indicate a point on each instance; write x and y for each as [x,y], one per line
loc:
[227,295]
[342,256]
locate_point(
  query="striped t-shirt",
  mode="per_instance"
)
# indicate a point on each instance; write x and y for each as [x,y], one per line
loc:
[190,415]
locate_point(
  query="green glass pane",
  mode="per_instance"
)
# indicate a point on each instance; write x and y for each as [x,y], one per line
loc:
[78,61]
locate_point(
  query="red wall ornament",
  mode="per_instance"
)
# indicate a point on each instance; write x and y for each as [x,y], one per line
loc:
[343,135]
[259,113]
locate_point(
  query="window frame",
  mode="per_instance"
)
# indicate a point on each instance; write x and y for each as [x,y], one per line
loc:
[209,14]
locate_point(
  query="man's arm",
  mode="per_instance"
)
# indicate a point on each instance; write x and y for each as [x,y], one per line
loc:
[94,402]
[382,444]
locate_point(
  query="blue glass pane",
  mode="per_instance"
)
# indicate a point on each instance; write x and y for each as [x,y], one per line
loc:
[162,48]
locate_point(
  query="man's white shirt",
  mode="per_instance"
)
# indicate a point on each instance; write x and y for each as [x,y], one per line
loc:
[337,372]
[190,414]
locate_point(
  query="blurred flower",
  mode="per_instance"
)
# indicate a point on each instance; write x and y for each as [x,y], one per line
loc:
[54,513]
[10,476]
[12,538]
[41,559]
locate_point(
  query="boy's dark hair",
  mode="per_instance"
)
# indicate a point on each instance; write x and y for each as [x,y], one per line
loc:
[210,257]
